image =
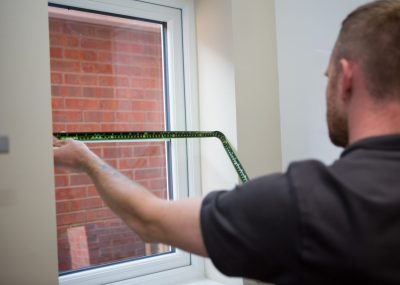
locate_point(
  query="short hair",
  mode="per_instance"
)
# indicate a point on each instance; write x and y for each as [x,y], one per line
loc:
[370,36]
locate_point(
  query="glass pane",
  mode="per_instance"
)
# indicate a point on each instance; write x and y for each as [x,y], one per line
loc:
[106,75]
[88,232]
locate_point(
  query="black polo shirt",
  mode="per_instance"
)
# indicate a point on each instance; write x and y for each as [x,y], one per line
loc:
[314,224]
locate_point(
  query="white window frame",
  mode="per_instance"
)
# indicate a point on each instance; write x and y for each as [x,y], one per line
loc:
[178,266]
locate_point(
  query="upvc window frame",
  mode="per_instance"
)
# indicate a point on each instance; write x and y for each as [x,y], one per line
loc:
[177,266]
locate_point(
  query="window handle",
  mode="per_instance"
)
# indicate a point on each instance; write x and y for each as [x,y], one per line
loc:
[4,144]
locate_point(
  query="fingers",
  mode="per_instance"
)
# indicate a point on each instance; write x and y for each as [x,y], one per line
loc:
[59,143]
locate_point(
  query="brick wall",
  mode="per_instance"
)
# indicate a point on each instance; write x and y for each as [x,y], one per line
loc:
[105,78]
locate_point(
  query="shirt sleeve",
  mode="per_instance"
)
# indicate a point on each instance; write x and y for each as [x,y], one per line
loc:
[252,230]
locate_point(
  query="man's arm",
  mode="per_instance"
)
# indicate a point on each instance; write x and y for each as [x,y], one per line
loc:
[175,223]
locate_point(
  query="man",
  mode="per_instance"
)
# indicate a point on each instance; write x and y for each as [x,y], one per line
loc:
[314,224]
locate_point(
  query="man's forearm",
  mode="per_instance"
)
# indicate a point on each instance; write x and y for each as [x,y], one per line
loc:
[129,200]
[175,223]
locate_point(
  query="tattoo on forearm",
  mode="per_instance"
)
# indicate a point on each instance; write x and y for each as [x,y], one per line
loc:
[109,169]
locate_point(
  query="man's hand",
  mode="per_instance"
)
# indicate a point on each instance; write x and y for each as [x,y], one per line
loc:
[71,154]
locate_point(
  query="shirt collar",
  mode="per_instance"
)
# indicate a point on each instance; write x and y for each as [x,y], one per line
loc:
[388,142]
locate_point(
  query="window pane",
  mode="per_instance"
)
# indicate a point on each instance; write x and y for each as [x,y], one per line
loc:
[106,75]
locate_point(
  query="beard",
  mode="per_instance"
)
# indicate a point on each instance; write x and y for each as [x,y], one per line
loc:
[337,123]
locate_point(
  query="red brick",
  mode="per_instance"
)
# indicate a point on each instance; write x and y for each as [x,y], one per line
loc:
[80,179]
[147,150]
[148,61]
[80,54]
[127,172]
[55,90]
[70,193]
[56,52]
[132,163]
[122,46]
[57,103]
[129,93]
[73,54]
[152,72]
[58,40]
[103,32]
[71,218]
[82,104]
[70,91]
[55,26]
[147,173]
[96,44]
[130,117]
[98,116]
[153,94]
[83,127]
[113,81]
[148,105]
[66,116]
[100,214]
[147,37]
[89,55]
[62,207]
[105,56]
[79,29]
[98,92]
[80,79]
[61,180]
[157,161]
[117,152]
[154,117]
[91,191]
[112,162]
[106,81]
[154,50]
[65,66]
[117,127]
[97,68]
[123,34]
[156,184]
[56,78]
[137,48]
[146,83]
[63,40]
[128,70]
[148,127]
[95,147]
[57,128]
[83,204]
[123,241]
[116,105]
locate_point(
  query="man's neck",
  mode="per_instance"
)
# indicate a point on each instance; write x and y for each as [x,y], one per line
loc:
[369,119]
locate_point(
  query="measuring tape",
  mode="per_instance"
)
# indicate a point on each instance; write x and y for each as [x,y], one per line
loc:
[128,136]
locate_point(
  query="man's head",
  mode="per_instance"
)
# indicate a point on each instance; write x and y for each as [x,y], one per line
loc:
[370,39]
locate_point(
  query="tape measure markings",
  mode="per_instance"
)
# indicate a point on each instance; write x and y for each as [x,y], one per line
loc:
[118,136]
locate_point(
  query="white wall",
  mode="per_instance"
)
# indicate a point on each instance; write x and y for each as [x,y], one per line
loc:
[217,104]
[256,86]
[216,89]
[28,247]
[238,91]
[306,32]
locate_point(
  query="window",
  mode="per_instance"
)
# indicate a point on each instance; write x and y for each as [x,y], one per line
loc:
[119,66]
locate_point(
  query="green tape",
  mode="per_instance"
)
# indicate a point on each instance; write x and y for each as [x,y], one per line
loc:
[126,136]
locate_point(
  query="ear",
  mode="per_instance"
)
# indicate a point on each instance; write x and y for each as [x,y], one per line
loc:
[345,79]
